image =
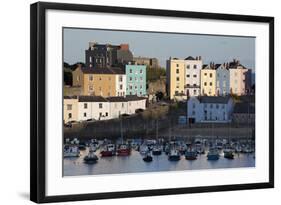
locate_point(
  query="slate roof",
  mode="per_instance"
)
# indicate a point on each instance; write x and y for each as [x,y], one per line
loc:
[116,99]
[113,70]
[189,58]
[70,97]
[214,99]
[134,97]
[242,108]
[91,99]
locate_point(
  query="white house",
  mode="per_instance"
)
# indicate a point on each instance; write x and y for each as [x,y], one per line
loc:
[193,67]
[210,109]
[121,82]
[118,106]
[93,107]
[83,108]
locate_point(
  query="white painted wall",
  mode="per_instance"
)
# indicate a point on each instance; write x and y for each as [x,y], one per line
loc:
[237,80]
[119,91]
[192,72]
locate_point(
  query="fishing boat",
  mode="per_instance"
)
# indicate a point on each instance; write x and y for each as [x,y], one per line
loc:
[200,149]
[91,158]
[82,146]
[71,151]
[174,155]
[213,154]
[108,150]
[143,149]
[228,153]
[191,154]
[148,157]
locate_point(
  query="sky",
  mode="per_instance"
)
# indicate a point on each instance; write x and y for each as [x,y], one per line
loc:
[212,48]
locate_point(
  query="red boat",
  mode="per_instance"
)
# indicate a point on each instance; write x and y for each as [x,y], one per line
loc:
[108,151]
[123,150]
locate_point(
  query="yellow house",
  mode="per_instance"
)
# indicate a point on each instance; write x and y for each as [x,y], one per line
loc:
[175,78]
[70,109]
[77,76]
[208,80]
[101,81]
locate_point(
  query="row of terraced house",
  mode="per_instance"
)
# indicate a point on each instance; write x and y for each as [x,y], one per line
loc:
[190,77]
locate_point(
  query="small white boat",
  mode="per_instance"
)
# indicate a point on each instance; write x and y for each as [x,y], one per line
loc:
[71,151]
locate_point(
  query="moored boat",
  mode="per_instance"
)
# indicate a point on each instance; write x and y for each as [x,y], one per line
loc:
[123,150]
[228,153]
[108,150]
[71,151]
[91,158]
[148,157]
[190,154]
[213,154]
[157,150]
[174,155]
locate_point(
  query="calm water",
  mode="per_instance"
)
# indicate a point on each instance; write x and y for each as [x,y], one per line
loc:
[134,163]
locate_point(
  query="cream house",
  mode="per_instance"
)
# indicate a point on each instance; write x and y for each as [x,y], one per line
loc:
[70,109]
[238,81]
[208,80]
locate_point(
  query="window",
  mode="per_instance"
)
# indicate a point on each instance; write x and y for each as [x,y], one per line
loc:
[188,66]
[193,112]
[188,76]
[120,78]
[69,107]
[85,105]
[136,87]
[100,114]
[205,84]
[222,106]
[217,106]
[122,104]
[194,92]
[140,78]
[194,76]
[178,79]
[211,75]
[205,74]
[100,78]
[100,105]
[69,115]
[121,87]
[211,105]
[211,83]
[194,84]
[218,75]
[194,66]
[106,114]
[193,105]
[177,65]
[140,70]
[130,87]
[85,114]
[140,86]
[90,87]
[140,93]
[90,77]
[177,71]
[131,70]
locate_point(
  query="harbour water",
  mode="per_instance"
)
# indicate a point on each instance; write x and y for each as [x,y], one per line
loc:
[134,163]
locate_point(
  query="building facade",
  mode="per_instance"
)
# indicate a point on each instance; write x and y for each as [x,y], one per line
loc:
[208,80]
[81,108]
[149,62]
[70,109]
[175,78]
[222,80]
[238,78]
[136,80]
[193,68]
[210,109]
[77,77]
[107,55]
[244,113]
[104,82]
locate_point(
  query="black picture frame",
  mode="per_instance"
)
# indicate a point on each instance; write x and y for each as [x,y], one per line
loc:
[38,100]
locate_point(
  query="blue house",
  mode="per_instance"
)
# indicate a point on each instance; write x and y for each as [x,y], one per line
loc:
[136,80]
[222,80]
